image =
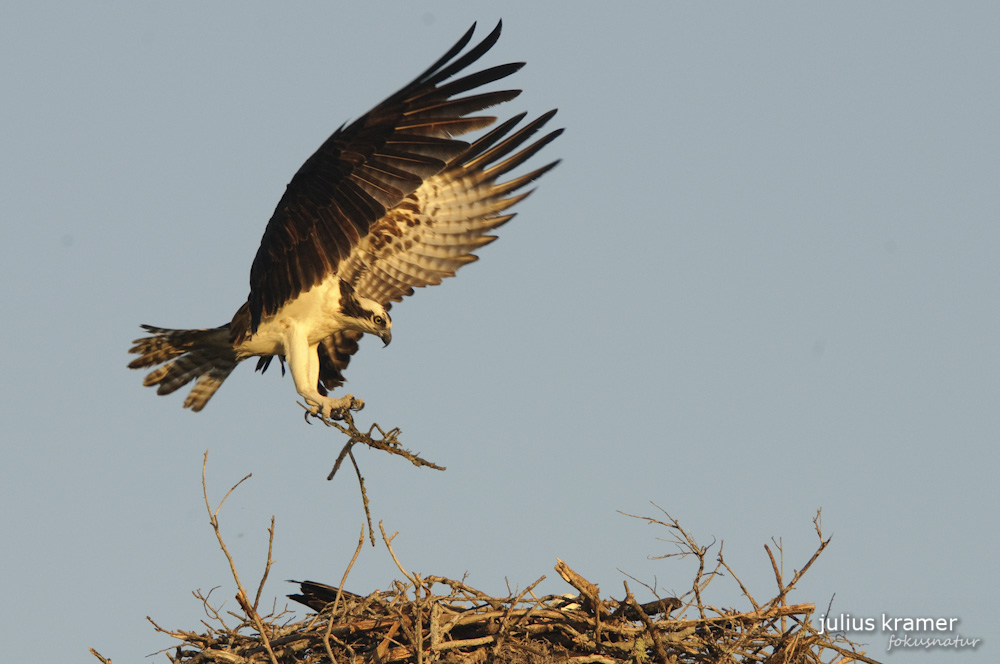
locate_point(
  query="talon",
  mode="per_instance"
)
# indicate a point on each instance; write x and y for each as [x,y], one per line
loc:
[332,409]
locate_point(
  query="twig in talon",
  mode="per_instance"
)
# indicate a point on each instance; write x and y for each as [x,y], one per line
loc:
[389,442]
[364,496]
[340,458]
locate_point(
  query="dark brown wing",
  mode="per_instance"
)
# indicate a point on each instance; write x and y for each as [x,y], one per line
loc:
[334,355]
[435,230]
[366,169]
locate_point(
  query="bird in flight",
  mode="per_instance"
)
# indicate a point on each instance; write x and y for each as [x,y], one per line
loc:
[390,202]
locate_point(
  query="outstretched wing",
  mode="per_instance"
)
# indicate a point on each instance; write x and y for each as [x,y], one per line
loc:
[435,230]
[366,169]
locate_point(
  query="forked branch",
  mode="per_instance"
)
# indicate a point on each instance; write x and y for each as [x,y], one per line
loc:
[387,442]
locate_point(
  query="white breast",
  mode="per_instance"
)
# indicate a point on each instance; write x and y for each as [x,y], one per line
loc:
[316,312]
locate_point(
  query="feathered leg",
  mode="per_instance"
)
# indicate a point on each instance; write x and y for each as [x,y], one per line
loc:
[303,362]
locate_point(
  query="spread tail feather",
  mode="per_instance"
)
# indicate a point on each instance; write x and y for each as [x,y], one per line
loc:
[205,355]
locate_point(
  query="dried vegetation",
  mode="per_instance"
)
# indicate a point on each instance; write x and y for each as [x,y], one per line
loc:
[433,619]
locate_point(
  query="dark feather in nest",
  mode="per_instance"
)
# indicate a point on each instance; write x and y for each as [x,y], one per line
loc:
[317,596]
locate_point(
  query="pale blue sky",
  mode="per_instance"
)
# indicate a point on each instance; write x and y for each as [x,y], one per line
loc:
[763,281]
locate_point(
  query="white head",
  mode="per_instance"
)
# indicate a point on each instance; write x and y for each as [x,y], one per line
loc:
[365,315]
[375,320]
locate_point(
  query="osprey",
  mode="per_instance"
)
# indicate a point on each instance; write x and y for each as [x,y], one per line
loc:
[389,202]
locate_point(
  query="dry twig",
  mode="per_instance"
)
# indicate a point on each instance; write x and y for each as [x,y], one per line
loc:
[389,442]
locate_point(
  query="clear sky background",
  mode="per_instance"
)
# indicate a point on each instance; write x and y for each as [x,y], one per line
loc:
[762,282]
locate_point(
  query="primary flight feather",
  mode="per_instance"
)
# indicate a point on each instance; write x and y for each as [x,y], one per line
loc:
[389,202]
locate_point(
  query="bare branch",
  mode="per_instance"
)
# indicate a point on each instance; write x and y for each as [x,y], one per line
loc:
[241,596]
[267,565]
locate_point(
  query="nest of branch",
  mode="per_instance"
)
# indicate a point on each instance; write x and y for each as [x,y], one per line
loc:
[434,619]
[462,625]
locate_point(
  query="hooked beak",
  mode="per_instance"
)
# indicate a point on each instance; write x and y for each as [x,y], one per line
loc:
[385,336]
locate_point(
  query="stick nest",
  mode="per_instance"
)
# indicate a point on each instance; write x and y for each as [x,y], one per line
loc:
[433,619]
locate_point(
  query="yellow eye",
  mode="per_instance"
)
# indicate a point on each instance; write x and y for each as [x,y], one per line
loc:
[379,321]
